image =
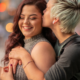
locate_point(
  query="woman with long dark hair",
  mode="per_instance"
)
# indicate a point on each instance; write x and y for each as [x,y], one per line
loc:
[29,33]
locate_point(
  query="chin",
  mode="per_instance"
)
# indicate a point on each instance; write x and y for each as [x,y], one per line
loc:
[27,35]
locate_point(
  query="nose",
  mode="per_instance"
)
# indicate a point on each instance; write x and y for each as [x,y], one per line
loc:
[26,21]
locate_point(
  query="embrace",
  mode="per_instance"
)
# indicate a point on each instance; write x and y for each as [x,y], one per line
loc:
[43,44]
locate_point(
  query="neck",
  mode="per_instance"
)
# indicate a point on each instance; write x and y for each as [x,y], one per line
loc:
[28,37]
[61,36]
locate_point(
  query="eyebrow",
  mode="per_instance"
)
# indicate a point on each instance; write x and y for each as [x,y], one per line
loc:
[30,15]
[33,15]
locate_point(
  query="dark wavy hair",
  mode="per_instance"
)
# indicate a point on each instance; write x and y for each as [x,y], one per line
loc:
[16,37]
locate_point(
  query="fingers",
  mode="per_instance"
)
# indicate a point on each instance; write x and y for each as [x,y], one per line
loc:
[10,62]
[6,69]
[11,54]
[2,73]
[10,68]
[15,62]
[20,62]
[2,70]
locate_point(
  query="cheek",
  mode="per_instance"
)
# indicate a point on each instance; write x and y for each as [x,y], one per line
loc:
[20,23]
[48,16]
[46,19]
[36,23]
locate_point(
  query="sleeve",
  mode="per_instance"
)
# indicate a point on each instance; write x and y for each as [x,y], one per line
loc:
[67,65]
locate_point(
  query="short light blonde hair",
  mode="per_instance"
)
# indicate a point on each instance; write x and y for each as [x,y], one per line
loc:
[68,12]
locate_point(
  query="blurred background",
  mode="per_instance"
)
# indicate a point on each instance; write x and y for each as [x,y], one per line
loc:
[7,12]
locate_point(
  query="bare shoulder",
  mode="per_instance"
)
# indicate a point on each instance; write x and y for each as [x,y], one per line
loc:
[43,47]
[44,56]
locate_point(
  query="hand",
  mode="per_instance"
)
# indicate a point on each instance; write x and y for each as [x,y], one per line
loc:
[14,62]
[19,53]
[6,73]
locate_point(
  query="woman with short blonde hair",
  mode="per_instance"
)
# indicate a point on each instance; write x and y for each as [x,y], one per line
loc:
[68,12]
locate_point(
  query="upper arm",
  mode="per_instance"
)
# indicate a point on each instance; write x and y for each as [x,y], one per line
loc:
[44,56]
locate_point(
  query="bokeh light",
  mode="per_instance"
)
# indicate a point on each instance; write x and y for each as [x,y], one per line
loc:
[2,7]
[9,27]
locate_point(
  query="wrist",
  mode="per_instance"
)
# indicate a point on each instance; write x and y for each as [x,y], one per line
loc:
[26,59]
[25,55]
[27,64]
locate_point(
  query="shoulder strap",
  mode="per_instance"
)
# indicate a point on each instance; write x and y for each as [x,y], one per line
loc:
[74,40]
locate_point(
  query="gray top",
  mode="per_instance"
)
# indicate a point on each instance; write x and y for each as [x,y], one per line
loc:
[29,44]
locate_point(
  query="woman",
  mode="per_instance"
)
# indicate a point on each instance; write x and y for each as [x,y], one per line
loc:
[65,15]
[28,33]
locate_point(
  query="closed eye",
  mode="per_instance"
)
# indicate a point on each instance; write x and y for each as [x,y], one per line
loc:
[32,18]
[21,17]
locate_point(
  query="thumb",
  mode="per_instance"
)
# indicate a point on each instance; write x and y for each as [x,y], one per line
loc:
[20,62]
[10,68]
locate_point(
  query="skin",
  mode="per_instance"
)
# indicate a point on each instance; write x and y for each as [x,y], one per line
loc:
[55,27]
[0,70]
[31,69]
[47,21]
[42,54]
[30,18]
[6,73]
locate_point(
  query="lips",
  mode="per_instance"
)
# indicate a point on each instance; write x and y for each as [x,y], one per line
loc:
[27,27]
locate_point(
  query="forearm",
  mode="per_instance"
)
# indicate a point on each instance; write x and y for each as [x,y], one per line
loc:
[31,70]
[56,73]
[67,65]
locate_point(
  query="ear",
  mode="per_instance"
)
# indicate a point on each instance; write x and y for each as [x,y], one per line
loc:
[55,20]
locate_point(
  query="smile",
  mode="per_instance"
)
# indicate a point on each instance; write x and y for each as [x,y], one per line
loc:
[27,28]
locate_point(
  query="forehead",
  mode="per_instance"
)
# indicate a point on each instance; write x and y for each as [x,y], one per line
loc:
[28,9]
[51,3]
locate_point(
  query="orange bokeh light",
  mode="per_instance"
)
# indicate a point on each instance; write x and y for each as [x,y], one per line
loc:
[9,27]
[2,7]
